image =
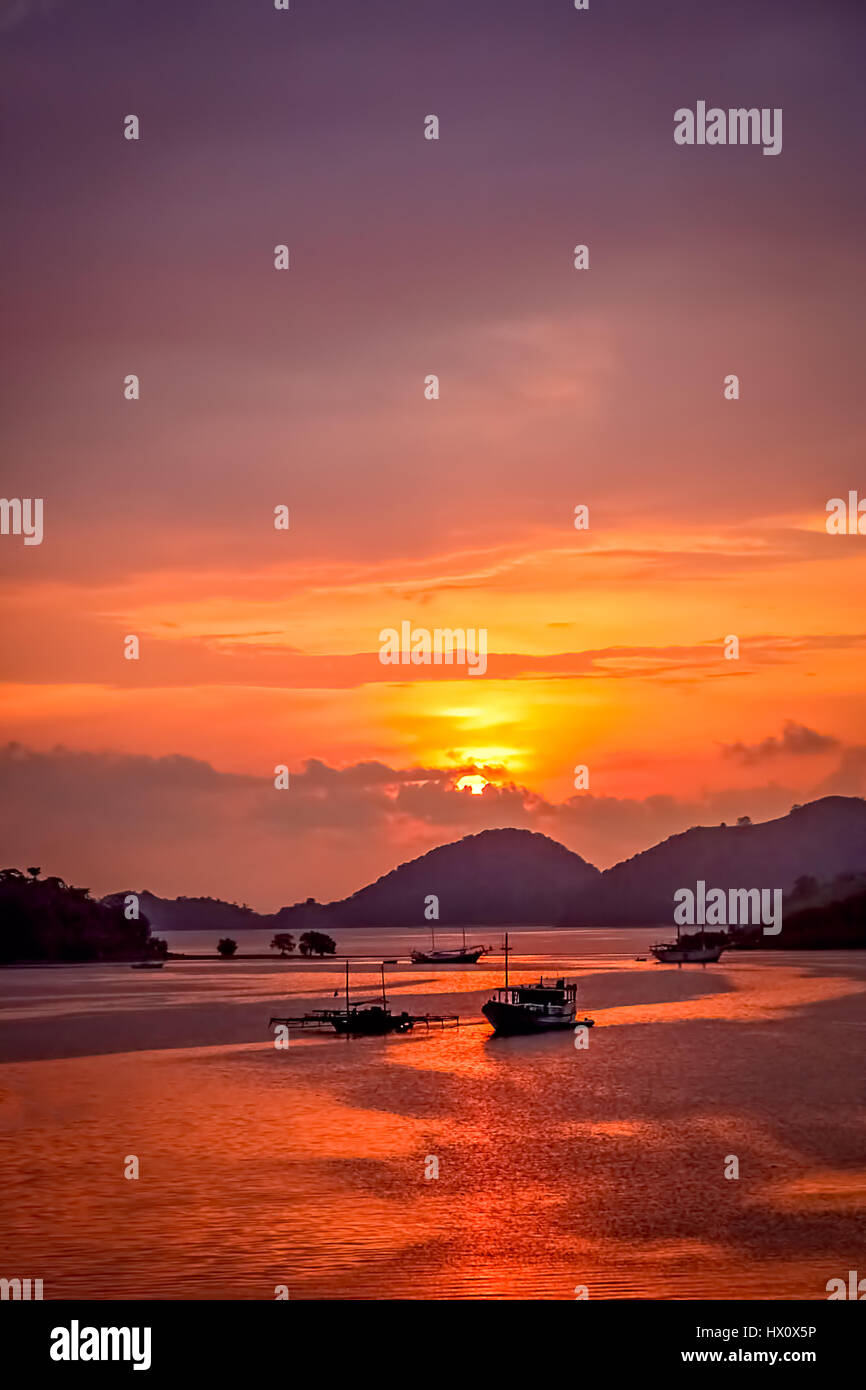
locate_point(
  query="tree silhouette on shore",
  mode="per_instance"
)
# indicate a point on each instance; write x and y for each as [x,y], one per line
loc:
[49,920]
[316,943]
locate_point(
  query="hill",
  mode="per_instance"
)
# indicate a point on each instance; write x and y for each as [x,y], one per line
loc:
[45,919]
[191,914]
[497,877]
[513,877]
[835,926]
[825,838]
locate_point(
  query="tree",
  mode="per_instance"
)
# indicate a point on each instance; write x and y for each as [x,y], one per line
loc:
[49,920]
[744,820]
[283,942]
[316,943]
[226,947]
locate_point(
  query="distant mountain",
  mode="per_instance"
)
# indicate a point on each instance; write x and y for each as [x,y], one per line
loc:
[825,839]
[190,914]
[838,926]
[513,877]
[492,879]
[495,878]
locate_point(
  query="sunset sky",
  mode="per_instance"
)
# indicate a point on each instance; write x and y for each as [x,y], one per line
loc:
[306,388]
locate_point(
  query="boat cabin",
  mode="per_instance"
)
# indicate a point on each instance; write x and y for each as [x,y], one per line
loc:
[547,996]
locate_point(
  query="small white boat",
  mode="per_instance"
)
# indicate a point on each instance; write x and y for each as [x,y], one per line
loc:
[687,950]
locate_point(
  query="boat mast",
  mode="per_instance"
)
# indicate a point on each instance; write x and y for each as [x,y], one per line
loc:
[506,960]
[347,989]
[384,1000]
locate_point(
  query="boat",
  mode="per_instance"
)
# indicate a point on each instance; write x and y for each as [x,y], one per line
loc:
[147,965]
[366,1018]
[465,955]
[688,950]
[670,953]
[534,1008]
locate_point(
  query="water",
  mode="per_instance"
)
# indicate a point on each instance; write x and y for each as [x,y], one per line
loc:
[557,1167]
[395,941]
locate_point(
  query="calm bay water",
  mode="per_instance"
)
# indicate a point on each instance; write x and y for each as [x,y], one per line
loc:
[557,1167]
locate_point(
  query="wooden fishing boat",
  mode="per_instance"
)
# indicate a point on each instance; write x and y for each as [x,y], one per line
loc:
[535,1008]
[461,955]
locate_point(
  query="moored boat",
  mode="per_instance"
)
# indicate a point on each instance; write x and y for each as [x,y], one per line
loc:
[669,953]
[688,950]
[363,1018]
[467,957]
[535,1008]
[370,1021]
[461,955]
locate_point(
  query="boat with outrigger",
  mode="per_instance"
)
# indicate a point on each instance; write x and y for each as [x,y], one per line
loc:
[542,1007]
[364,1018]
[465,955]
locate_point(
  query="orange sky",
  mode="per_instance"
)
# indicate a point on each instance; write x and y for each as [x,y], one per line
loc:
[305,388]
[606,654]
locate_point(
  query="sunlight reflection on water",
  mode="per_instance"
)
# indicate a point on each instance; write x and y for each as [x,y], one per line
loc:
[557,1167]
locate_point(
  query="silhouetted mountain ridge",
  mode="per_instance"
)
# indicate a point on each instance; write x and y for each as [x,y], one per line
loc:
[825,838]
[514,877]
[493,878]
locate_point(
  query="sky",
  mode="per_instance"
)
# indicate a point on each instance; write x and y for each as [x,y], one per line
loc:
[304,388]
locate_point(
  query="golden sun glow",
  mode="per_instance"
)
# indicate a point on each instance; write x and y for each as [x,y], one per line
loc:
[475,782]
[491,756]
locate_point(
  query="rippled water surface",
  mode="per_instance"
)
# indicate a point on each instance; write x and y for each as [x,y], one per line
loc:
[557,1167]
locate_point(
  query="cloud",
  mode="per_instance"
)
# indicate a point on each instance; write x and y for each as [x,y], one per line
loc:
[796,741]
[848,778]
[78,648]
[177,825]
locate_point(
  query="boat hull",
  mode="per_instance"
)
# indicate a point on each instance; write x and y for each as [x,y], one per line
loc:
[512,1018]
[685,955]
[371,1023]
[447,957]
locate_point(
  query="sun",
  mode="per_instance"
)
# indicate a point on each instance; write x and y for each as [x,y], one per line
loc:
[474,781]
[492,758]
